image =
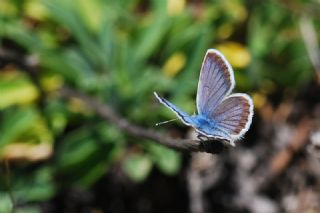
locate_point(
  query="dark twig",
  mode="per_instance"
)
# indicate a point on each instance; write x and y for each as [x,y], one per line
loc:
[9,58]
[108,114]
[281,160]
[105,111]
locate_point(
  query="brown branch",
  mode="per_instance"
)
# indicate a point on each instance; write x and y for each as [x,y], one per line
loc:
[13,58]
[282,159]
[110,116]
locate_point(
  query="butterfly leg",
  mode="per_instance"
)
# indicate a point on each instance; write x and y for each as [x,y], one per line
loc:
[210,146]
[202,137]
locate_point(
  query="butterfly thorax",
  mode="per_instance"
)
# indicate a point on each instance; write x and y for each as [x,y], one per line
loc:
[210,129]
[201,122]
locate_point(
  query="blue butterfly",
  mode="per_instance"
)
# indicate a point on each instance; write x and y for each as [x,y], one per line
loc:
[221,116]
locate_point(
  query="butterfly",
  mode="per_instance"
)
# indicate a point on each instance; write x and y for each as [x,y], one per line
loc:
[221,116]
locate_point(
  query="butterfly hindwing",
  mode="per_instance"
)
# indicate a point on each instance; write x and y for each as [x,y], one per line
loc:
[234,115]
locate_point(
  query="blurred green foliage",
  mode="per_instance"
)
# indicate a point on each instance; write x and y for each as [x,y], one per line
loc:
[120,52]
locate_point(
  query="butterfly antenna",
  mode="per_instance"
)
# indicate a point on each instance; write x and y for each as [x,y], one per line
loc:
[164,122]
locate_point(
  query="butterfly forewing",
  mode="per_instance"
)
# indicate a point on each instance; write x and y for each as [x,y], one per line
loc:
[215,82]
[234,115]
[187,119]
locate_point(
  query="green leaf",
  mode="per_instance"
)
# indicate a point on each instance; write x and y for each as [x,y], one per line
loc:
[137,167]
[84,157]
[194,63]
[91,12]
[151,37]
[14,123]
[28,209]
[37,186]
[16,31]
[167,160]
[6,202]
[66,14]
[16,91]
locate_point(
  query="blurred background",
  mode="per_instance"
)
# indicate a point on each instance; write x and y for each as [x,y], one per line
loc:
[58,154]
